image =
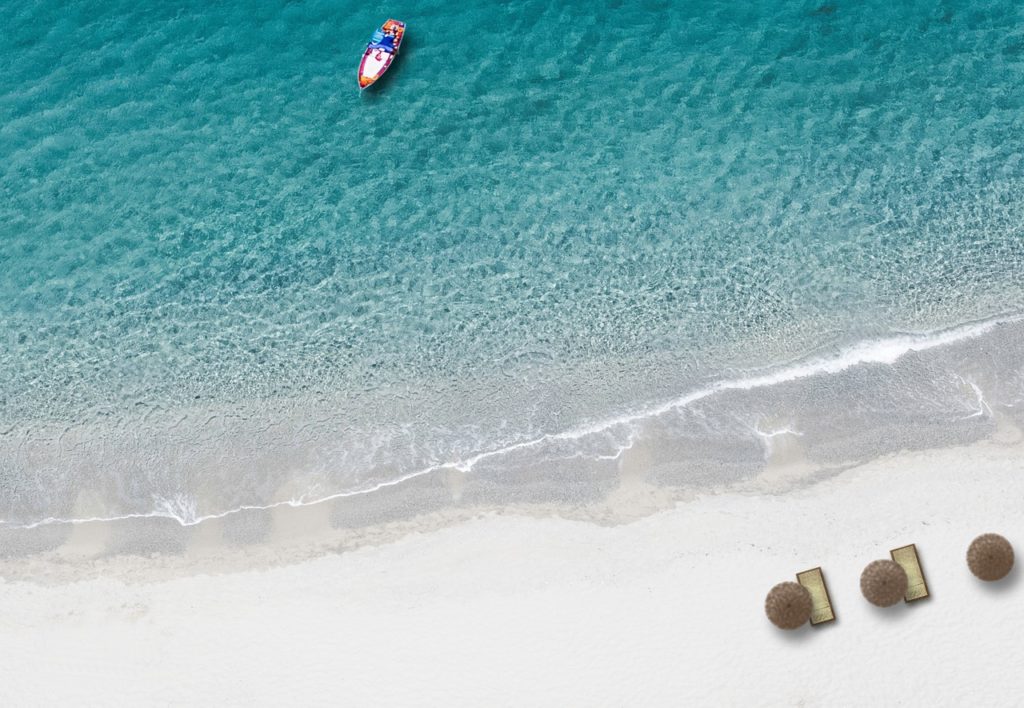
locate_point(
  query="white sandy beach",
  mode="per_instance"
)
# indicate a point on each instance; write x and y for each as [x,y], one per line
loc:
[510,609]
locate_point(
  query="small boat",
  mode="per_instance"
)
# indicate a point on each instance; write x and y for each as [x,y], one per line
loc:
[380,52]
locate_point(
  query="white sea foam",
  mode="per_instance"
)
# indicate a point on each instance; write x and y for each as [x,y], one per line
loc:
[886,351]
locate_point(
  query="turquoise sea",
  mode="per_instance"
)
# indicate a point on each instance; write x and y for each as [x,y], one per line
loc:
[554,229]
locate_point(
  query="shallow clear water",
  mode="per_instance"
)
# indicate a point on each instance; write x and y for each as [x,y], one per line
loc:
[227,277]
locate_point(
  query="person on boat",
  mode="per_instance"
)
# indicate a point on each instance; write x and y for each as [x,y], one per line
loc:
[382,40]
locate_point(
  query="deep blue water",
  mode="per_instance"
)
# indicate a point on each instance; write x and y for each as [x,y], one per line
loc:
[546,214]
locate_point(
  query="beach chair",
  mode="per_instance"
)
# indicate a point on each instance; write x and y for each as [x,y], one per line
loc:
[906,557]
[821,604]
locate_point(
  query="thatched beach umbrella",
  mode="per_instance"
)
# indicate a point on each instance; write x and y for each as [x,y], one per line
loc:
[788,605]
[883,583]
[990,557]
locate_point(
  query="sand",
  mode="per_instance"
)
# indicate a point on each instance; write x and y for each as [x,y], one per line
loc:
[512,609]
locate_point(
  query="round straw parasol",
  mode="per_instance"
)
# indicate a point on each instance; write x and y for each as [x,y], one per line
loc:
[788,605]
[883,583]
[990,557]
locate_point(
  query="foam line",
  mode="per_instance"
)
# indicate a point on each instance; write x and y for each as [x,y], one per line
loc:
[880,351]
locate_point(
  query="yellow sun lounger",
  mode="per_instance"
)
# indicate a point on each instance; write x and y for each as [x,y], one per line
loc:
[821,605]
[906,557]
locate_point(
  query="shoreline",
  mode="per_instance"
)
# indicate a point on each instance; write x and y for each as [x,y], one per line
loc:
[153,551]
[512,607]
[730,423]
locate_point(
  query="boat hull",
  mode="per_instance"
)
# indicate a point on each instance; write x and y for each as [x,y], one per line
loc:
[380,52]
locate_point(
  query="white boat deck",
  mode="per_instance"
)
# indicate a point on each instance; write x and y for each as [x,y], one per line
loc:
[374,67]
